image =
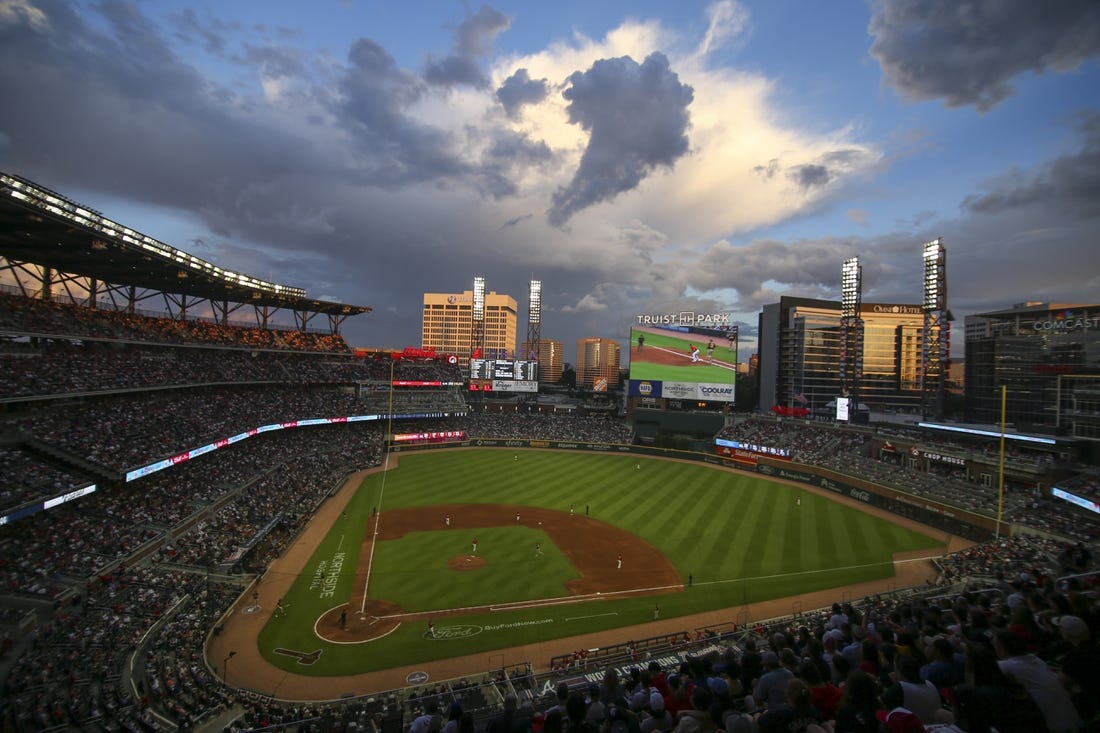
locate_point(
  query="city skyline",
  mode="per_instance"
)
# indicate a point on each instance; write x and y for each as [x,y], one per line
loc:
[635,158]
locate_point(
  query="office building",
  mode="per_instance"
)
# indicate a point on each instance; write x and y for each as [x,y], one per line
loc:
[800,341]
[551,358]
[598,364]
[447,325]
[1047,357]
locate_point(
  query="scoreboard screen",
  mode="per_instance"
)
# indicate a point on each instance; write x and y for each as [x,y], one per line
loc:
[506,370]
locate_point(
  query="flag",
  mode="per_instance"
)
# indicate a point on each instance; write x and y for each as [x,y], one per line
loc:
[800,398]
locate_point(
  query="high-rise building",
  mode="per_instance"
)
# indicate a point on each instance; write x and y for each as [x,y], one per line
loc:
[598,363]
[447,325]
[800,347]
[1045,355]
[551,358]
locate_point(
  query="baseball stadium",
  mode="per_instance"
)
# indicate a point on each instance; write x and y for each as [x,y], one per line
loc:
[220,525]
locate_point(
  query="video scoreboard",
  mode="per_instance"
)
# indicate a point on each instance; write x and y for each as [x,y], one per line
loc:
[502,369]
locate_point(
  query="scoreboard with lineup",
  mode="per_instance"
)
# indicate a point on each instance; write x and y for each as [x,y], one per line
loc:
[502,369]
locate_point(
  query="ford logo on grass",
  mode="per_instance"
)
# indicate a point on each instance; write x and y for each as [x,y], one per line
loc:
[457,632]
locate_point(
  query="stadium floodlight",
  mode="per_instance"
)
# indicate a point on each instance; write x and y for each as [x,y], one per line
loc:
[534,302]
[935,278]
[851,282]
[479,299]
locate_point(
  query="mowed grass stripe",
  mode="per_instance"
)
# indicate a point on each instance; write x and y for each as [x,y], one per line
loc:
[814,540]
[756,547]
[714,523]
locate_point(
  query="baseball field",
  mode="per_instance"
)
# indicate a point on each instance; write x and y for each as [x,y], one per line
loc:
[566,544]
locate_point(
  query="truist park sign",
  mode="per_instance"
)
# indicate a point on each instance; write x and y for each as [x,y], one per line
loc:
[683,318]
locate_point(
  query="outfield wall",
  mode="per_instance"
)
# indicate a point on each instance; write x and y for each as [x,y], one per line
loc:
[943,517]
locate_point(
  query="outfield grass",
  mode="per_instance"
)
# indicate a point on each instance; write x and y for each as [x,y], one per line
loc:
[742,538]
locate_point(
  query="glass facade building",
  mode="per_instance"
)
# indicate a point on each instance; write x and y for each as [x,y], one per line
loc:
[1047,357]
[598,359]
[800,354]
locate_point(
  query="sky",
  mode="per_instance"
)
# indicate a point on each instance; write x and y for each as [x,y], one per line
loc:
[635,157]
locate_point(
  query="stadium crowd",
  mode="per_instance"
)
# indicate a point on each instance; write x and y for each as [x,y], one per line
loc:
[848,452]
[120,572]
[38,317]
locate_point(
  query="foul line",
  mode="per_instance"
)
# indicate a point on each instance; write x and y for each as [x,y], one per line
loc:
[595,615]
[377,518]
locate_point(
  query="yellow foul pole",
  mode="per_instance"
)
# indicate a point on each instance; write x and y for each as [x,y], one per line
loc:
[1001,463]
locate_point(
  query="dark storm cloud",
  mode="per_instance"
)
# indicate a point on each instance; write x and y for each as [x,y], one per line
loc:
[1070,184]
[520,89]
[809,176]
[207,35]
[520,150]
[809,267]
[394,149]
[637,119]
[473,41]
[112,107]
[968,53]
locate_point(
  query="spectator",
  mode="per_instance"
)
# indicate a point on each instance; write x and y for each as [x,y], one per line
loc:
[859,706]
[1080,666]
[771,689]
[989,700]
[913,693]
[1038,679]
[795,715]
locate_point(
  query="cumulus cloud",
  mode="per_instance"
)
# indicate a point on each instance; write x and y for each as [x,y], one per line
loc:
[637,119]
[392,146]
[520,89]
[809,176]
[473,41]
[19,11]
[968,53]
[1069,184]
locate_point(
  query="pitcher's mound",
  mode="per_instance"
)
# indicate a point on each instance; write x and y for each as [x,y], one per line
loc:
[466,562]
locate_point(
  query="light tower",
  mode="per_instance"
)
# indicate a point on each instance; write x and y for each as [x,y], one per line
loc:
[851,333]
[477,321]
[935,337]
[534,319]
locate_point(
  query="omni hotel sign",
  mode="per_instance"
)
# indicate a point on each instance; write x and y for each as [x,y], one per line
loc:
[897,310]
[683,318]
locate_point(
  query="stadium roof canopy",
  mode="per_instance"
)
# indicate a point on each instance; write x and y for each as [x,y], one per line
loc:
[64,244]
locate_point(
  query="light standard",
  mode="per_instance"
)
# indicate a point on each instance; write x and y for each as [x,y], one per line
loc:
[225,666]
